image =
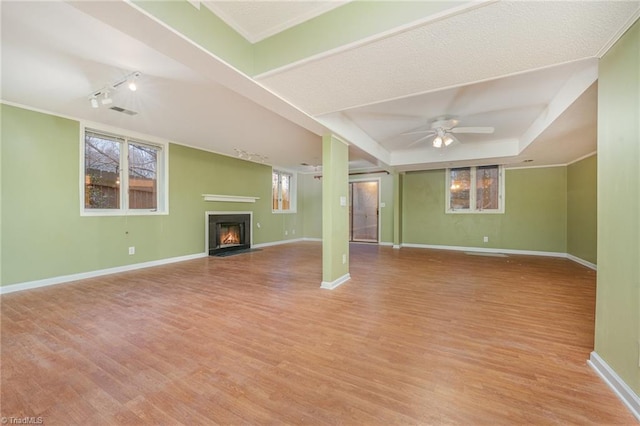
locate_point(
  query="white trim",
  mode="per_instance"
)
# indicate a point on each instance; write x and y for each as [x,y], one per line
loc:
[277,243]
[619,387]
[488,250]
[92,274]
[543,166]
[397,246]
[473,170]
[385,243]
[230,198]
[378,180]
[591,154]
[330,285]
[213,213]
[127,137]
[582,262]
[609,44]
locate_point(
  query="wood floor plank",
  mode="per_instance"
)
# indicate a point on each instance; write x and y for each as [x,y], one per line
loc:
[415,337]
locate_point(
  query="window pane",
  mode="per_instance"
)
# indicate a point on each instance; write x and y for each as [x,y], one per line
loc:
[101,172]
[487,186]
[274,190]
[285,182]
[460,186]
[143,177]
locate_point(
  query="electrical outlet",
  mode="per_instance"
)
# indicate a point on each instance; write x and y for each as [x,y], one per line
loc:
[132,250]
[293,232]
[286,232]
[486,239]
[344,259]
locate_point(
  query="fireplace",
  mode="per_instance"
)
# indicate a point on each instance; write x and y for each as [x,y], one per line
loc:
[228,231]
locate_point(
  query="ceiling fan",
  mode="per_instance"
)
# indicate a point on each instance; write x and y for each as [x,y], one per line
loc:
[443,130]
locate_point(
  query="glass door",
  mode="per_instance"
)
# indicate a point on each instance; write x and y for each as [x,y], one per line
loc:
[363,211]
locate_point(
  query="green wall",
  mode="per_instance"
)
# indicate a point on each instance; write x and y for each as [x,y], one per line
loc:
[44,236]
[346,24]
[535,213]
[335,213]
[617,336]
[204,28]
[582,200]
[311,198]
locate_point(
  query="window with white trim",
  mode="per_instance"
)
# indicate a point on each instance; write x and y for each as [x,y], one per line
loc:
[283,192]
[475,190]
[122,175]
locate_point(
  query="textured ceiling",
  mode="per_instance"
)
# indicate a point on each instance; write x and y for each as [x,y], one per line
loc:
[257,20]
[528,69]
[495,40]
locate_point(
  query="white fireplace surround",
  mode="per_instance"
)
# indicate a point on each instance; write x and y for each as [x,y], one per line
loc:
[214,213]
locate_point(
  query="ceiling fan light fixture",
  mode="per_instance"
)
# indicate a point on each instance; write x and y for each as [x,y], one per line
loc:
[437,142]
[448,140]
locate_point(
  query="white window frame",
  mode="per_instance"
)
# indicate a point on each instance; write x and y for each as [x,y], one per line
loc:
[293,190]
[136,138]
[472,193]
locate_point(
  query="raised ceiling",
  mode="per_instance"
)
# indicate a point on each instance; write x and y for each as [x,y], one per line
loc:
[366,71]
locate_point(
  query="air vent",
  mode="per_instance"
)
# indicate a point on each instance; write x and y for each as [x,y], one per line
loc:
[124,111]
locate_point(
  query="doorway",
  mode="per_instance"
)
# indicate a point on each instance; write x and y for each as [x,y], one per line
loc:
[363,211]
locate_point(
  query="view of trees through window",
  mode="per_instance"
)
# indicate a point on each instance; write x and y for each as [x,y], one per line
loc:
[104,181]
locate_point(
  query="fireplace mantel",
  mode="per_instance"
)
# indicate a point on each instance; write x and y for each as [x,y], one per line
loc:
[230,198]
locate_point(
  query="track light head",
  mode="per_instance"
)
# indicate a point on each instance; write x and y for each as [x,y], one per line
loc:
[94,102]
[106,100]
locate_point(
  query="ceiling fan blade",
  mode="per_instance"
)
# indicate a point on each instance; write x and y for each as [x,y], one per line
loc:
[418,140]
[472,130]
[415,132]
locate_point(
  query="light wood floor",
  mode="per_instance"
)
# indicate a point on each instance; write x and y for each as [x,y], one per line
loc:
[416,337]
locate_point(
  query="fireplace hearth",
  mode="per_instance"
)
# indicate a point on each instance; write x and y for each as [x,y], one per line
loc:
[229,232]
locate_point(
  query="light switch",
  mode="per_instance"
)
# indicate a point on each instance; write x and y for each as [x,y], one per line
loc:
[343,201]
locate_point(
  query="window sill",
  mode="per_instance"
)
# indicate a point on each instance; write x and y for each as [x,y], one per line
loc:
[103,213]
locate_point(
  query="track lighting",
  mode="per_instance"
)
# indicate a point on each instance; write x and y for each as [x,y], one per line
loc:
[106,99]
[105,93]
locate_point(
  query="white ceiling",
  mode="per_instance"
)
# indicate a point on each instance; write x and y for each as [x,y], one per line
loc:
[528,69]
[257,20]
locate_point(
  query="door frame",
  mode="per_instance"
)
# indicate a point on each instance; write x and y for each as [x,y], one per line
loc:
[379,181]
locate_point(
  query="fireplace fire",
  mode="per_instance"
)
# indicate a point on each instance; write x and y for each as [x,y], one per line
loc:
[228,232]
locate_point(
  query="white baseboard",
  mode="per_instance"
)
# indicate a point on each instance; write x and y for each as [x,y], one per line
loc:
[84,275]
[505,251]
[488,250]
[619,387]
[330,285]
[385,243]
[397,246]
[277,243]
[582,262]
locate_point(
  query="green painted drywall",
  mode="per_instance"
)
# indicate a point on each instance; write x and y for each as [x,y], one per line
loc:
[335,217]
[398,180]
[617,333]
[44,236]
[346,24]
[582,208]
[204,28]
[534,219]
[311,198]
